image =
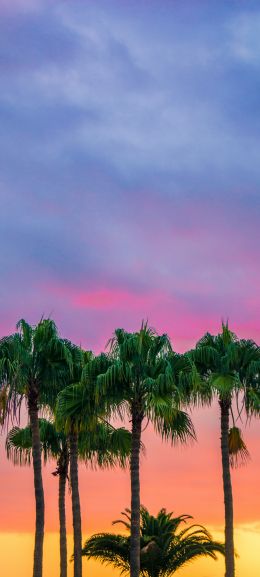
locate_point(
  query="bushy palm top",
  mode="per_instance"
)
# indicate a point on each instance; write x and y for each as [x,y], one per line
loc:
[104,447]
[230,369]
[165,546]
[34,363]
[229,365]
[140,370]
[143,374]
[19,443]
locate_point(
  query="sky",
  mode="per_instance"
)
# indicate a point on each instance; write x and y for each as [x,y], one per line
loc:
[129,186]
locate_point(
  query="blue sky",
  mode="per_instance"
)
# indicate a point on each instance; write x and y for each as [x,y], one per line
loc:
[130,165]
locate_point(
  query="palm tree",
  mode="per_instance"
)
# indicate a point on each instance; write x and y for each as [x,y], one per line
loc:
[90,438]
[108,447]
[34,362]
[79,358]
[68,422]
[165,547]
[54,445]
[140,381]
[229,368]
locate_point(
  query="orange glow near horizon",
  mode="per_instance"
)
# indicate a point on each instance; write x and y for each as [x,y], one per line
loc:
[182,479]
[247,540]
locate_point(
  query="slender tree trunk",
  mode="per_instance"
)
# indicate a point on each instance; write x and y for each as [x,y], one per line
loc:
[75,505]
[227,486]
[63,465]
[38,486]
[135,493]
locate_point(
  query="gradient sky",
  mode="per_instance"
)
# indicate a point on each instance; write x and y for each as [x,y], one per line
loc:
[129,188]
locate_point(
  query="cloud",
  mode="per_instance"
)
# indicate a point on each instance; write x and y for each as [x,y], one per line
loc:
[147,97]
[129,164]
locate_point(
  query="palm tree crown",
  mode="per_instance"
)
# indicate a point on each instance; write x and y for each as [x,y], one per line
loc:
[165,547]
[140,376]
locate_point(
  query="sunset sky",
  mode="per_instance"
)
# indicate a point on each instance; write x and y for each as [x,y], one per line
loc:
[129,184]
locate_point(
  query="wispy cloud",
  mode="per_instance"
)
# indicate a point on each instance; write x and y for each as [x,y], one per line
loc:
[129,161]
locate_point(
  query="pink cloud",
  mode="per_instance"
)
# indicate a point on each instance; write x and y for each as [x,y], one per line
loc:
[108,299]
[103,298]
[183,319]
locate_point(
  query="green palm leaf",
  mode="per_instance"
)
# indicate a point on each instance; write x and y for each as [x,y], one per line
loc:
[165,548]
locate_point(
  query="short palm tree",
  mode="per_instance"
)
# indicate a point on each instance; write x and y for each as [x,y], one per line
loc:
[34,363]
[165,547]
[107,447]
[54,445]
[230,369]
[140,381]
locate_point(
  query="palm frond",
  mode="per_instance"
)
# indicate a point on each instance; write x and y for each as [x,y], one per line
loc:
[171,423]
[19,446]
[109,549]
[19,443]
[164,547]
[75,407]
[105,446]
[238,452]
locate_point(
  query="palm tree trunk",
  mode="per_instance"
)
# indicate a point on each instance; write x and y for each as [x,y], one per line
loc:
[135,493]
[227,486]
[62,518]
[38,485]
[75,505]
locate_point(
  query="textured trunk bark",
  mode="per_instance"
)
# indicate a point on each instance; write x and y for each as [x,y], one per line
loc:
[135,494]
[75,505]
[38,486]
[227,486]
[62,518]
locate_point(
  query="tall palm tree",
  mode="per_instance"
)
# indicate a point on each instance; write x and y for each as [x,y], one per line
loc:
[108,447]
[140,381]
[79,357]
[165,547]
[69,423]
[229,368]
[90,437]
[33,363]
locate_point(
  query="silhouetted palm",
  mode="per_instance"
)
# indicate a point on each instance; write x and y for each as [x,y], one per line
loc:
[165,547]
